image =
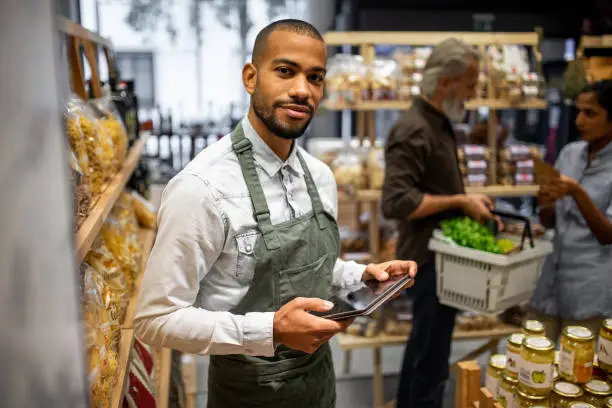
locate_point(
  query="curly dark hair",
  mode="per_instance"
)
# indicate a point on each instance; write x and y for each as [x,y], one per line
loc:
[603,93]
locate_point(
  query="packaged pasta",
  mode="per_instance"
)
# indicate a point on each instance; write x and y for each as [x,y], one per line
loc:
[350,171]
[81,191]
[85,143]
[123,211]
[144,210]
[108,116]
[116,241]
[114,293]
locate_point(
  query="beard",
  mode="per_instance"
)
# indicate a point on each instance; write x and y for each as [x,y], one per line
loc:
[266,114]
[454,109]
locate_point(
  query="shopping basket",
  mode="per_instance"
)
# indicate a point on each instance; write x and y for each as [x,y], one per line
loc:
[483,282]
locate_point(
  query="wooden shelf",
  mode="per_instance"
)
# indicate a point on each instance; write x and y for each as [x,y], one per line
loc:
[147,236]
[493,191]
[350,342]
[126,344]
[90,228]
[424,38]
[603,41]
[402,105]
[164,361]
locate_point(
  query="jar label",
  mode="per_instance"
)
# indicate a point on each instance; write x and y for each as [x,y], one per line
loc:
[506,399]
[513,362]
[604,351]
[566,362]
[533,375]
[491,384]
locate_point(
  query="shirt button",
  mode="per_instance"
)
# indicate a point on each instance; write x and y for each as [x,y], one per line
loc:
[248,248]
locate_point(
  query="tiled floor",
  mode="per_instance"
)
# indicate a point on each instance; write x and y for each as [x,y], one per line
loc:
[354,390]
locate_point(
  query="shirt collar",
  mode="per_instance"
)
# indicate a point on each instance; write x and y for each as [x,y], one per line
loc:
[604,154]
[265,156]
[432,114]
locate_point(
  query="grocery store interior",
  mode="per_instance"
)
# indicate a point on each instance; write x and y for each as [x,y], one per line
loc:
[107,101]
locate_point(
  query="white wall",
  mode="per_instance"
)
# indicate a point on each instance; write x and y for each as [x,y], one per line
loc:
[175,63]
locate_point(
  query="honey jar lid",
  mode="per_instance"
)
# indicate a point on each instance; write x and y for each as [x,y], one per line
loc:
[578,333]
[566,389]
[538,343]
[580,405]
[530,397]
[608,324]
[533,327]
[508,378]
[598,387]
[516,339]
[609,402]
[498,361]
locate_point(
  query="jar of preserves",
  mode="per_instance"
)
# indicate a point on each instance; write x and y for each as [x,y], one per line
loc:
[596,392]
[523,399]
[507,387]
[513,354]
[580,404]
[563,393]
[496,366]
[576,354]
[604,351]
[537,362]
[533,328]
[608,403]
[598,372]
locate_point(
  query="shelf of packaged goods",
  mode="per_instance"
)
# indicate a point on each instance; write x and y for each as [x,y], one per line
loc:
[147,237]
[401,105]
[126,342]
[492,191]
[89,230]
[164,362]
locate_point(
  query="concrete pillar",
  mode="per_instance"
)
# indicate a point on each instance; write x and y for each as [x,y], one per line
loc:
[41,351]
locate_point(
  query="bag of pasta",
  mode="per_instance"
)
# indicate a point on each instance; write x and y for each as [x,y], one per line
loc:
[102,362]
[144,210]
[123,211]
[114,293]
[116,241]
[81,191]
[109,117]
[85,143]
[109,159]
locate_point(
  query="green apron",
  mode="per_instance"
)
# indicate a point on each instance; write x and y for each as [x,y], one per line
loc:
[293,259]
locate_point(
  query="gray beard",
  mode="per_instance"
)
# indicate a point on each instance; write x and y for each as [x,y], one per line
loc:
[453,109]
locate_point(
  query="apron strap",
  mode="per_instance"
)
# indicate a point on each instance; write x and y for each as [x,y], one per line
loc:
[313,192]
[244,150]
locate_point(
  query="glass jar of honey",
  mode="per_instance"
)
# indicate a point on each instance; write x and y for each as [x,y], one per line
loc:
[496,366]
[513,353]
[533,328]
[596,392]
[608,402]
[507,387]
[563,393]
[537,362]
[576,354]
[604,350]
[523,399]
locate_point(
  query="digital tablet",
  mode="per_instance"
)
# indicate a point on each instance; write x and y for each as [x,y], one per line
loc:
[365,300]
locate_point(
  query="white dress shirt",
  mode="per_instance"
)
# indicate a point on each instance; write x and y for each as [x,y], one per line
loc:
[202,262]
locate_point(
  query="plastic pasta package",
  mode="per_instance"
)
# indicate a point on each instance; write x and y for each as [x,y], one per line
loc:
[103,362]
[123,211]
[350,171]
[117,243]
[144,210]
[108,114]
[81,191]
[114,292]
[85,143]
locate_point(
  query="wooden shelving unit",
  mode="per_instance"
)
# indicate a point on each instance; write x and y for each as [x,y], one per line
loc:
[90,228]
[164,361]
[496,104]
[601,41]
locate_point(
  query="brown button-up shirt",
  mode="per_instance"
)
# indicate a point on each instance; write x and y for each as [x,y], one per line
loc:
[420,158]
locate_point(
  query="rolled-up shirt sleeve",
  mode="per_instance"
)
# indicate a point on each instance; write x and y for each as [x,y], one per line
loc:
[406,154]
[191,236]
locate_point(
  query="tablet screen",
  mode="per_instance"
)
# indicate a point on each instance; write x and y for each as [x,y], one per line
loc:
[347,301]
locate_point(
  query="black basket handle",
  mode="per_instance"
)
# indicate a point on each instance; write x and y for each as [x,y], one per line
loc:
[527,232]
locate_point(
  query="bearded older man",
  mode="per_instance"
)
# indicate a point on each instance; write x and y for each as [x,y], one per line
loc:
[423,186]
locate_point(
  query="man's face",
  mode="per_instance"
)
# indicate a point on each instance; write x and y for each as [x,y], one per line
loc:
[459,90]
[289,83]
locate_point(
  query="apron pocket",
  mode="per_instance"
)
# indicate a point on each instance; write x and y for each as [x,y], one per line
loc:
[245,260]
[305,281]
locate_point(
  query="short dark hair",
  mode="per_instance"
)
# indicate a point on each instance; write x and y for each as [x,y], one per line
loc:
[603,93]
[291,25]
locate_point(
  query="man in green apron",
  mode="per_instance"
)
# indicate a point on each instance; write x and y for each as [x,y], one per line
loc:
[248,243]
